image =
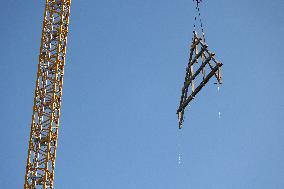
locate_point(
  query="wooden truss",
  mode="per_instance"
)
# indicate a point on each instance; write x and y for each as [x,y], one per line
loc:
[201,57]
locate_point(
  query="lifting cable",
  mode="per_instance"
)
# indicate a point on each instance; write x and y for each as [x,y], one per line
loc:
[198,14]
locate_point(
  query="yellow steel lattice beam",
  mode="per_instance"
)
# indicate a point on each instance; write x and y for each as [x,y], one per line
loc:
[46,110]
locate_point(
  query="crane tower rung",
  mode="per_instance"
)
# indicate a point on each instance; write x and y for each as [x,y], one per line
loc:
[47,101]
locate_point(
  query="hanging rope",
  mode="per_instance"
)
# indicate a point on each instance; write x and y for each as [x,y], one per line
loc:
[198,14]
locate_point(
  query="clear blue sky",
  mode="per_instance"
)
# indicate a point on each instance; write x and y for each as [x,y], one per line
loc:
[124,72]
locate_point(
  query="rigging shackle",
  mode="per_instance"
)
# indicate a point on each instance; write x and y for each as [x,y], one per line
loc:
[198,1]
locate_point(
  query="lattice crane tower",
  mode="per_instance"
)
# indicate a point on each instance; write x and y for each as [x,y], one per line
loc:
[47,101]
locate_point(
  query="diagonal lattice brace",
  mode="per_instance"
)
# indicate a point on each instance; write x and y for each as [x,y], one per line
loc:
[205,62]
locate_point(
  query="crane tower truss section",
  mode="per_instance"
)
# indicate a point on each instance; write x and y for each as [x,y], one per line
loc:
[205,62]
[47,101]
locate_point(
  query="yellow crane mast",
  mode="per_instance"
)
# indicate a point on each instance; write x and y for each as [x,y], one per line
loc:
[47,101]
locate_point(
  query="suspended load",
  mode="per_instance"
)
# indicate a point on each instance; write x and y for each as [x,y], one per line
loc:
[207,66]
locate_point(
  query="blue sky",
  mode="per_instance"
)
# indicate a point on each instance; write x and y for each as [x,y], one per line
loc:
[124,72]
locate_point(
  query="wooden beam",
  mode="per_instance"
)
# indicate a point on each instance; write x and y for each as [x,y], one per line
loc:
[201,85]
[197,71]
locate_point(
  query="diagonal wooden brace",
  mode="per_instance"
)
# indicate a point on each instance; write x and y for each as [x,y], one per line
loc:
[201,85]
